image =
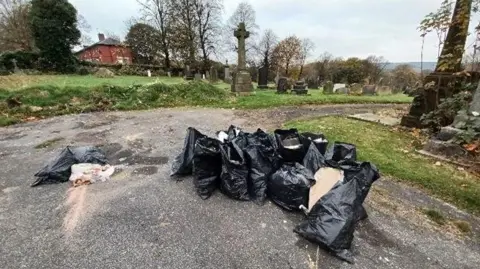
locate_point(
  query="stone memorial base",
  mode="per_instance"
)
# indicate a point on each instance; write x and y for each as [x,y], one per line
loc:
[242,83]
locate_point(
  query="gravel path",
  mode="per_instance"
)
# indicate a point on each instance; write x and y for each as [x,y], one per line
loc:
[142,219]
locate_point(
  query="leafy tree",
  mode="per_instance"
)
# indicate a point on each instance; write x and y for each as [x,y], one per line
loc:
[404,75]
[287,54]
[15,31]
[142,40]
[54,28]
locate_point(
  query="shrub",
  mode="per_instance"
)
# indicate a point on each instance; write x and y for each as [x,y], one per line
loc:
[447,110]
[104,73]
[25,60]
[83,71]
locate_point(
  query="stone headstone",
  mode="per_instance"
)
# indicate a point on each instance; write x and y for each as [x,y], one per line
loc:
[169,74]
[263,77]
[328,87]
[213,74]
[203,76]
[369,90]
[207,75]
[300,87]
[198,76]
[16,70]
[338,86]
[312,84]
[149,73]
[188,73]
[356,89]
[243,80]
[282,85]
[384,90]
[343,90]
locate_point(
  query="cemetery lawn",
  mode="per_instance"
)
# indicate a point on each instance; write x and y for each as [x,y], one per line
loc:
[393,152]
[269,98]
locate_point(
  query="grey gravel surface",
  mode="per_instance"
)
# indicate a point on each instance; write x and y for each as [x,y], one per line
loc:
[143,219]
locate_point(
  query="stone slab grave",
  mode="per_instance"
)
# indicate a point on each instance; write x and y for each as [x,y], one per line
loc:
[356,89]
[198,76]
[300,87]
[384,90]
[282,85]
[263,77]
[337,86]
[369,90]
[242,83]
[371,117]
[328,87]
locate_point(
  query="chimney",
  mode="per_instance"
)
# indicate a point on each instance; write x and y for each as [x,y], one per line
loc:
[101,37]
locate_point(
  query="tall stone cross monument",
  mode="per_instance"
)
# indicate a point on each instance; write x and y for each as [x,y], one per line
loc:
[242,82]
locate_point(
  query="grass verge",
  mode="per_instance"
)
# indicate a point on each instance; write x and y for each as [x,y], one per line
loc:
[268,98]
[393,153]
[45,101]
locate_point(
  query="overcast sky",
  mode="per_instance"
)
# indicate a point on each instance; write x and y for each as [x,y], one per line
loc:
[345,28]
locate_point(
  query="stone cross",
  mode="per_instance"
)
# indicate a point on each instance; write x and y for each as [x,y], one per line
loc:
[241,34]
[15,67]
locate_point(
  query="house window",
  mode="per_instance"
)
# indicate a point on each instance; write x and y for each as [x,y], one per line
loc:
[123,60]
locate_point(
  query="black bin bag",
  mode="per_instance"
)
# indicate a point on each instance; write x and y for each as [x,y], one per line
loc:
[314,160]
[331,221]
[289,186]
[290,145]
[59,169]
[261,165]
[183,163]
[319,140]
[342,152]
[207,166]
[234,175]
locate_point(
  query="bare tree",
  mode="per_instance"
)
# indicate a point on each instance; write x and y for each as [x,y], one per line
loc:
[85,29]
[244,13]
[374,67]
[158,14]
[185,27]
[208,13]
[14,25]
[266,45]
[307,47]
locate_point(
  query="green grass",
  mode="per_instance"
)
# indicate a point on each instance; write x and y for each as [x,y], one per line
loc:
[268,98]
[385,148]
[16,82]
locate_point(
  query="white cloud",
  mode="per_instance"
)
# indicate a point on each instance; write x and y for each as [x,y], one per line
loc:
[344,28]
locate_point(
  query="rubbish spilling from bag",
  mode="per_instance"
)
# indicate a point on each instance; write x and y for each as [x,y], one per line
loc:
[60,169]
[298,172]
[88,173]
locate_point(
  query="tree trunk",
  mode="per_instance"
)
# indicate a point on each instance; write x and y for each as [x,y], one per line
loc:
[301,72]
[450,59]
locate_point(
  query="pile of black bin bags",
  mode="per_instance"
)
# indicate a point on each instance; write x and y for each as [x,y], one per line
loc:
[254,166]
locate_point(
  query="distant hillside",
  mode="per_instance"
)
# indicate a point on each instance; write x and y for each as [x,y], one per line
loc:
[415,65]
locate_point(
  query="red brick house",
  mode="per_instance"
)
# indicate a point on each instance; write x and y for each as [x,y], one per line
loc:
[106,51]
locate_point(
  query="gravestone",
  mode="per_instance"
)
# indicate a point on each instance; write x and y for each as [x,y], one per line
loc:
[263,77]
[338,86]
[198,76]
[203,76]
[213,74]
[149,73]
[343,90]
[300,87]
[243,82]
[328,87]
[282,85]
[207,75]
[384,90]
[169,74]
[369,90]
[188,73]
[16,70]
[312,84]
[356,89]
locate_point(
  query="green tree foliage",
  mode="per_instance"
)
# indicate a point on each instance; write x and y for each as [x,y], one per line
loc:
[143,40]
[54,28]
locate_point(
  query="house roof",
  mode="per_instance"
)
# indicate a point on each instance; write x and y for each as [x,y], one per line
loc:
[106,42]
